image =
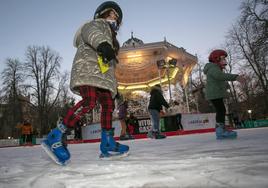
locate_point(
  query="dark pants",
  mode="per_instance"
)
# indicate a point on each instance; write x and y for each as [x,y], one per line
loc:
[27,138]
[77,133]
[178,116]
[220,110]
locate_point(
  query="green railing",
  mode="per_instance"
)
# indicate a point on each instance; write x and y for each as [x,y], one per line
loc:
[256,123]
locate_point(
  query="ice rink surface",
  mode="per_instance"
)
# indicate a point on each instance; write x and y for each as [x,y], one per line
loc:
[197,160]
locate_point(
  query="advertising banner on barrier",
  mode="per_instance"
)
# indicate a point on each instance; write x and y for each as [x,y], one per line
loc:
[168,123]
[198,121]
[93,131]
[9,142]
[144,125]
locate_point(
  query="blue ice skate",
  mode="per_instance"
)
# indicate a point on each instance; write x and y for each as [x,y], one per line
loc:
[109,147]
[222,133]
[54,146]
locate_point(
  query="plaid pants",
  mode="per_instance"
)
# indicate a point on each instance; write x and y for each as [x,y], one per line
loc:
[89,97]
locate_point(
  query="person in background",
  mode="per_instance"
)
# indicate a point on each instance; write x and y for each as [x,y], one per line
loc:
[155,106]
[236,120]
[93,78]
[78,130]
[132,124]
[122,115]
[216,90]
[26,131]
[175,109]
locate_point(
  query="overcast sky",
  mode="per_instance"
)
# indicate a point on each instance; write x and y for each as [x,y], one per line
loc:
[196,25]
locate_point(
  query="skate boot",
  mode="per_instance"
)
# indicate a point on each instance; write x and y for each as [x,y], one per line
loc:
[109,147]
[130,137]
[126,137]
[150,134]
[55,145]
[155,135]
[123,137]
[223,133]
[158,135]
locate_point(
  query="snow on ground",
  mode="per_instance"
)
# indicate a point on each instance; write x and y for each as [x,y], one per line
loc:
[197,160]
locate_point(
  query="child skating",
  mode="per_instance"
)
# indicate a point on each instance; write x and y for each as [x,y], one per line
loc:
[93,78]
[216,90]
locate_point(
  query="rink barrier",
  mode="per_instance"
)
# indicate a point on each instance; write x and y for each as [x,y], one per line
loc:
[16,142]
[169,123]
[9,142]
[246,125]
[143,136]
[254,124]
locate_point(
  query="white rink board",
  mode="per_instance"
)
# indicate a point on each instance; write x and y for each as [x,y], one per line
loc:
[93,131]
[198,121]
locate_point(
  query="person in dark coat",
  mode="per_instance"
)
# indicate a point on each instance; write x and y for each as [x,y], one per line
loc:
[78,130]
[157,101]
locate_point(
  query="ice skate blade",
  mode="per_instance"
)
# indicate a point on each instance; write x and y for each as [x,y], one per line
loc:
[226,138]
[112,156]
[157,138]
[52,155]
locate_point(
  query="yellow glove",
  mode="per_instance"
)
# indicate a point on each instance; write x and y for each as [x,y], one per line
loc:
[103,66]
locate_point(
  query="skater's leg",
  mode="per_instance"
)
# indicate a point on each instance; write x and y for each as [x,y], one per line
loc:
[220,110]
[88,102]
[129,131]
[56,139]
[220,129]
[180,127]
[24,136]
[107,108]
[150,131]
[123,134]
[155,118]
[108,143]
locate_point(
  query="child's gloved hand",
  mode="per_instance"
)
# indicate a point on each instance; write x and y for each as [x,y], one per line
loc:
[106,51]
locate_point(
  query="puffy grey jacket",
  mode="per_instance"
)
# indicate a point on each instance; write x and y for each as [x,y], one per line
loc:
[85,68]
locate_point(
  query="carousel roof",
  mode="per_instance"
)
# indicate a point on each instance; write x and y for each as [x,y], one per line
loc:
[138,69]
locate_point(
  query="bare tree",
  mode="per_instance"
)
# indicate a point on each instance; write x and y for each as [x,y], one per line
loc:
[66,99]
[42,67]
[249,38]
[231,66]
[198,85]
[64,102]
[12,80]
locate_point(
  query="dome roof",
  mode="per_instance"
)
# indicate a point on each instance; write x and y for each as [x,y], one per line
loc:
[133,42]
